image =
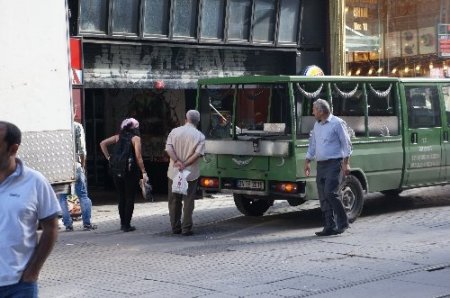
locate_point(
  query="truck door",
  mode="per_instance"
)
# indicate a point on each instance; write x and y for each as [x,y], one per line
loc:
[446,128]
[424,135]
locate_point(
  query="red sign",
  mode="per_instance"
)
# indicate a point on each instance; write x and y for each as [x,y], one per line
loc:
[76,61]
[444,40]
[77,108]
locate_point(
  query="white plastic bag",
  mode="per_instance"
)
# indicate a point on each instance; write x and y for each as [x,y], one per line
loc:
[180,184]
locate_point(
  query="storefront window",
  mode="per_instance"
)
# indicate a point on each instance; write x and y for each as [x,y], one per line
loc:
[397,38]
[156,17]
[239,13]
[213,12]
[264,26]
[94,16]
[185,18]
[289,17]
[125,17]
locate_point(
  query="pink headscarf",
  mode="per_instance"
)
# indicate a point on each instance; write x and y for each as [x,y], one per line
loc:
[130,122]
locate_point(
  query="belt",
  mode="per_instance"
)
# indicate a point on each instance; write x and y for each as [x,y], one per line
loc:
[329,160]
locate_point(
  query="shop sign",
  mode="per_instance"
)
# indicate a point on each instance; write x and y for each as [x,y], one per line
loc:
[362,29]
[313,71]
[444,40]
[76,61]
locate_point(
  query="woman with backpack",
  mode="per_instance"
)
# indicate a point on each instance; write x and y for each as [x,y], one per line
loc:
[126,166]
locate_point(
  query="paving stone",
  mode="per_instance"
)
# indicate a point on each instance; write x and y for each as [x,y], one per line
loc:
[385,253]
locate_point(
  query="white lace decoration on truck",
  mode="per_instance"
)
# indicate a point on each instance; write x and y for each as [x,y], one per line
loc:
[242,162]
[310,95]
[343,94]
[380,94]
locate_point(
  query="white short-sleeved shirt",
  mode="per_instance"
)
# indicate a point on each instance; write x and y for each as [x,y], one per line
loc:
[25,198]
[80,140]
[184,140]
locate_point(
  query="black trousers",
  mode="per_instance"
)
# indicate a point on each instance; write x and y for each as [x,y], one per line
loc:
[329,178]
[127,188]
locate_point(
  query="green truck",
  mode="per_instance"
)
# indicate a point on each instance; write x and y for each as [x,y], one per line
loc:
[257,130]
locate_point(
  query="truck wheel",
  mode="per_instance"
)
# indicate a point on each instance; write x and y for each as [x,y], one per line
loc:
[295,202]
[352,197]
[251,205]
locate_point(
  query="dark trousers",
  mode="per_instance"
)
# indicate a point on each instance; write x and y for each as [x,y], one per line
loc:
[180,204]
[329,178]
[126,187]
[20,290]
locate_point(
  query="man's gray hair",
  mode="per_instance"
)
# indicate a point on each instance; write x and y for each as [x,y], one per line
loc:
[322,105]
[193,116]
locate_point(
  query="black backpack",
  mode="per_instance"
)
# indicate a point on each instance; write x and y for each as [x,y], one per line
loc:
[122,160]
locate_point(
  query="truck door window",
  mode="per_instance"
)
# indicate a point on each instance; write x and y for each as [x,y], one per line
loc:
[446,94]
[423,106]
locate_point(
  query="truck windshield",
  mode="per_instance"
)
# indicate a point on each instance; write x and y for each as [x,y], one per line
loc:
[257,110]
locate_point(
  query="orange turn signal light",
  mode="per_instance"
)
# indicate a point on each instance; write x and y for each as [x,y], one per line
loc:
[287,187]
[209,182]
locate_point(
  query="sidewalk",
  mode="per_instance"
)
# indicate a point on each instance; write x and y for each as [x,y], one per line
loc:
[398,251]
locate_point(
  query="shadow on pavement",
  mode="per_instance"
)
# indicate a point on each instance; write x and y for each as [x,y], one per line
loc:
[101,197]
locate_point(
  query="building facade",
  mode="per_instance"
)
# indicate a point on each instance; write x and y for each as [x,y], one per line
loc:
[396,38]
[142,58]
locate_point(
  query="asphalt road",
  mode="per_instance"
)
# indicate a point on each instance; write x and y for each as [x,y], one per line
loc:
[399,247]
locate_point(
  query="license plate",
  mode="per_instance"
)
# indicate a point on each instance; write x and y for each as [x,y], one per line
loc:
[250,184]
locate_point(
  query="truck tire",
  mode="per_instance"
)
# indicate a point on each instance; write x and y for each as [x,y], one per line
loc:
[352,197]
[251,205]
[295,202]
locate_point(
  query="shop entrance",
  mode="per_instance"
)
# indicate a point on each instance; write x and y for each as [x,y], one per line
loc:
[158,111]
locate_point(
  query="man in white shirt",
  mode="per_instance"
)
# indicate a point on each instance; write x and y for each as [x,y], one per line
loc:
[331,147]
[185,145]
[26,199]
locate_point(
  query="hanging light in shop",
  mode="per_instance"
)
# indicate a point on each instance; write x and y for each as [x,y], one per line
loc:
[406,70]
[370,71]
[358,72]
[349,73]
[418,67]
[380,70]
[394,70]
[159,85]
[431,65]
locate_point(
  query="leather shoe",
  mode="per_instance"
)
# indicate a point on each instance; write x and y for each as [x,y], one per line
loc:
[342,230]
[187,233]
[327,232]
[129,229]
[176,232]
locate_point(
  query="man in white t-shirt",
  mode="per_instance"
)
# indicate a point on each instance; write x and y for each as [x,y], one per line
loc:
[185,145]
[26,199]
